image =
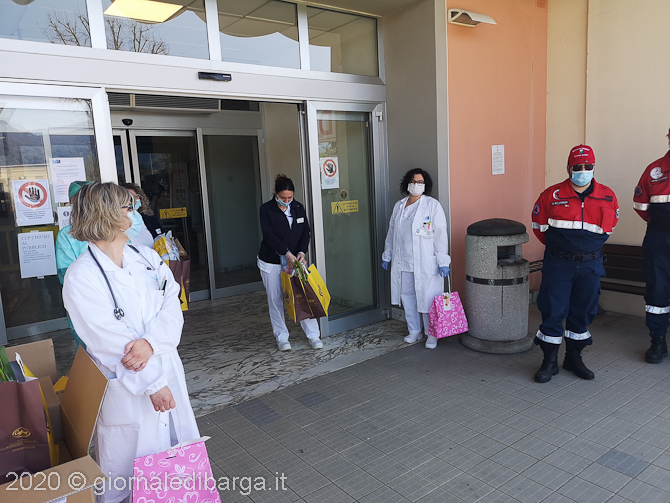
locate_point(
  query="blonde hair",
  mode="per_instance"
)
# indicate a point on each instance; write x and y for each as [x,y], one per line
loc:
[97,213]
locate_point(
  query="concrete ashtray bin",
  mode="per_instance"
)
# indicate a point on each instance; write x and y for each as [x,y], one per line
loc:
[496,287]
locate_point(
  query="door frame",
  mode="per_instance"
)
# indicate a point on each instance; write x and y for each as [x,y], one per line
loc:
[379,189]
[217,293]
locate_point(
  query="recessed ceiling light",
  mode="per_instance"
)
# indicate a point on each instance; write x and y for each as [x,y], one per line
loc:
[148,11]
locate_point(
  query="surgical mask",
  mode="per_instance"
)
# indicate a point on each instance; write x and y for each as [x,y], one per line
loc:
[136,224]
[137,205]
[416,189]
[582,178]
[285,205]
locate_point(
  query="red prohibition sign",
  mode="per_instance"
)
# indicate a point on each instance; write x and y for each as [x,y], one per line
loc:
[329,168]
[32,194]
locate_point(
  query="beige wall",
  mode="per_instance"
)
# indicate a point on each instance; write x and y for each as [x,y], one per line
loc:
[627,99]
[608,85]
[566,83]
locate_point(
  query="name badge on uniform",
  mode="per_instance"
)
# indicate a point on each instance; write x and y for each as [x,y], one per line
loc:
[300,220]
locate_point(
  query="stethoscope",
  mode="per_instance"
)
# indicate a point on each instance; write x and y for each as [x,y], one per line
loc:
[118,312]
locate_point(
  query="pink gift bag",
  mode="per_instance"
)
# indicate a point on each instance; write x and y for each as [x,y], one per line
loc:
[447,316]
[181,474]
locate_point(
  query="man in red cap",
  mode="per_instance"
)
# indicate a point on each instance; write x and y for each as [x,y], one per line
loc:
[573,219]
[652,203]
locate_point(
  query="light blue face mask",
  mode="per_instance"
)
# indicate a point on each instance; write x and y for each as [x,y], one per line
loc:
[582,178]
[285,205]
[136,224]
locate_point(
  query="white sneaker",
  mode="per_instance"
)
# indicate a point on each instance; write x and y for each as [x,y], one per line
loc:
[410,339]
[431,342]
[284,345]
[316,343]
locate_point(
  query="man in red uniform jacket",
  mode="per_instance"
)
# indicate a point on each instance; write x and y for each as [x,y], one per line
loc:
[652,203]
[573,219]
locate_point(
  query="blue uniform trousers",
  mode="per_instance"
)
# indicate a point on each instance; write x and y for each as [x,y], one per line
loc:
[569,291]
[656,247]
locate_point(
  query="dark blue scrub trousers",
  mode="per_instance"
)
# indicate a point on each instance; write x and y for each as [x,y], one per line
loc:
[569,291]
[656,247]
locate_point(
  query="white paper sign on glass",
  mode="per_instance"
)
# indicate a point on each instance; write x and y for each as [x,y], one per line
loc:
[37,254]
[498,159]
[32,202]
[64,171]
[64,213]
[330,173]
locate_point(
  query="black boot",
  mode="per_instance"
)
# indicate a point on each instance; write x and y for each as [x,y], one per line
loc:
[657,351]
[573,359]
[549,365]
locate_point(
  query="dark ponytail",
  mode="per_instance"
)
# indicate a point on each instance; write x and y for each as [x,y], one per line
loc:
[282,183]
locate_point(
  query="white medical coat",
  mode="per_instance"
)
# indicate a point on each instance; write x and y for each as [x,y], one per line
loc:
[429,241]
[129,426]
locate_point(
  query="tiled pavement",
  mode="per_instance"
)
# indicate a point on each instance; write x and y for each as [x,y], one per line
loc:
[453,425]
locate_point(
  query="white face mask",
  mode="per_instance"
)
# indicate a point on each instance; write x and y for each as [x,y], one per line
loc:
[416,189]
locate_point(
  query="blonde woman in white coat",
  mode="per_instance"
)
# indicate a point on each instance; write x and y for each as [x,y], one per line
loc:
[123,302]
[416,249]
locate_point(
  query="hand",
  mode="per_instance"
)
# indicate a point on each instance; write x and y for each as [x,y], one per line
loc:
[137,354]
[385,265]
[163,400]
[444,272]
[290,258]
[301,258]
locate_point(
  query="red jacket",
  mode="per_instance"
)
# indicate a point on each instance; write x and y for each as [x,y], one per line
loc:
[652,194]
[562,221]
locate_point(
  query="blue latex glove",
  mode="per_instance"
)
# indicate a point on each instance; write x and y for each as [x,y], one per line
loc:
[444,272]
[385,265]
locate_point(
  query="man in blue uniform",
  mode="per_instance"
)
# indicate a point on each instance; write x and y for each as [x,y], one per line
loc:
[652,203]
[573,219]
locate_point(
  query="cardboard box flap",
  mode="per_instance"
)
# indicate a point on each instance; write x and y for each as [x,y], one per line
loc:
[80,403]
[58,482]
[38,356]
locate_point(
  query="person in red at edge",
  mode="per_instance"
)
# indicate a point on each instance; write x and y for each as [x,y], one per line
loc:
[652,203]
[573,219]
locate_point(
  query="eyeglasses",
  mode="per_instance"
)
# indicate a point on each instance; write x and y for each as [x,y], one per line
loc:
[127,207]
[583,167]
[417,182]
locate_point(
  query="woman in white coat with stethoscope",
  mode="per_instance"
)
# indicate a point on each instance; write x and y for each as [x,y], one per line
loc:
[416,250]
[123,302]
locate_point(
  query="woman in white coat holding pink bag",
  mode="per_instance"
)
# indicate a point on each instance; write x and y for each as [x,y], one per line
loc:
[416,250]
[123,302]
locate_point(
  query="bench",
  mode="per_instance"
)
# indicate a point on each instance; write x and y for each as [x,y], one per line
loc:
[624,266]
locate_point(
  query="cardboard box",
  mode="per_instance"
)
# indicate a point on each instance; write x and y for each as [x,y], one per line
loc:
[79,408]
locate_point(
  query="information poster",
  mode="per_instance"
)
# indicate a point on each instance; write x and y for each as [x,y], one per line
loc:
[498,159]
[32,202]
[37,254]
[330,173]
[64,213]
[64,171]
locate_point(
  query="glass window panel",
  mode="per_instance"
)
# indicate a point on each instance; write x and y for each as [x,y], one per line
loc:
[344,141]
[56,21]
[342,43]
[259,32]
[232,167]
[32,130]
[178,30]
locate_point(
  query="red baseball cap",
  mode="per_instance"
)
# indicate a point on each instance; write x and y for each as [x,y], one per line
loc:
[581,154]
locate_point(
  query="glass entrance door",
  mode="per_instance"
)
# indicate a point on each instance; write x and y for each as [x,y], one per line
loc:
[166,165]
[344,150]
[233,173]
